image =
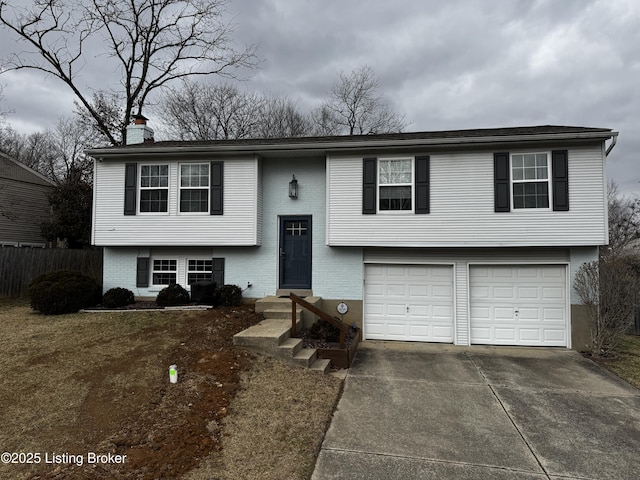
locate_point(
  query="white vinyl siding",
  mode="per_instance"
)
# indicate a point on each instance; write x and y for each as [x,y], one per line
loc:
[237,227]
[462,207]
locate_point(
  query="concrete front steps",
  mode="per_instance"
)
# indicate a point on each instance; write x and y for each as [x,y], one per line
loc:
[272,336]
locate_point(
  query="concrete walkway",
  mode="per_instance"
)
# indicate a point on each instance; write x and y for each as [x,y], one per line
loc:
[424,411]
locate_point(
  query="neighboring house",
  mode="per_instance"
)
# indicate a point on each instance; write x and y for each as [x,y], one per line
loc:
[464,237]
[24,204]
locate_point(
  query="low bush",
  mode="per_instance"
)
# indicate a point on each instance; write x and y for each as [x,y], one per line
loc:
[172,295]
[63,291]
[117,297]
[324,331]
[228,296]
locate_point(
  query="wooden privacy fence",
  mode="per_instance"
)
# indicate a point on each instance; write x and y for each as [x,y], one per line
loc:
[19,266]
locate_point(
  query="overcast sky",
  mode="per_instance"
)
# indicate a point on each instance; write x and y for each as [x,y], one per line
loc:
[451,64]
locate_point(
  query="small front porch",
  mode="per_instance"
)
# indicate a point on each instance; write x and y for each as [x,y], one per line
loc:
[273,335]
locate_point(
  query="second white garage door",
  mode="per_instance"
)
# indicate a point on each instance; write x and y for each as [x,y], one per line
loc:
[409,303]
[518,305]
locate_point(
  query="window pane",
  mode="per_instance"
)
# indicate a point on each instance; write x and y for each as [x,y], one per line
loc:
[518,174]
[196,175]
[395,198]
[517,161]
[529,160]
[395,171]
[529,173]
[531,195]
[164,278]
[153,200]
[194,200]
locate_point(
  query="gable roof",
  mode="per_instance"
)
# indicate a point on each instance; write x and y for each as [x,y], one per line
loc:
[14,170]
[485,136]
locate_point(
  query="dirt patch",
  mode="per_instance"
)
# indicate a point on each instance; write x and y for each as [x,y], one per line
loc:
[98,382]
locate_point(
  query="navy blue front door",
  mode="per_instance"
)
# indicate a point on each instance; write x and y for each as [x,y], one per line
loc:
[295,252]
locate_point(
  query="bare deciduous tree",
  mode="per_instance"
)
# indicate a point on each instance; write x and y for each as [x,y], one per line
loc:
[281,119]
[205,111]
[355,107]
[608,288]
[624,221]
[201,111]
[152,42]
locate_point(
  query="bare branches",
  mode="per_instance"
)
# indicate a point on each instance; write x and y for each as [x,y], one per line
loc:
[608,288]
[151,42]
[356,108]
[624,221]
[200,111]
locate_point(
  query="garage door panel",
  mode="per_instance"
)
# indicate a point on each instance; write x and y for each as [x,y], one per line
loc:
[504,293]
[417,302]
[529,334]
[444,292]
[553,293]
[535,313]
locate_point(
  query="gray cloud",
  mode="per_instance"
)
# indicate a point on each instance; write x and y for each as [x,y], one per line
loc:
[446,65]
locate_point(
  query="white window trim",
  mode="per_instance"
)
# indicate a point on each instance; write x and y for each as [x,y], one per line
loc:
[549,183]
[154,271]
[140,189]
[188,271]
[180,188]
[411,184]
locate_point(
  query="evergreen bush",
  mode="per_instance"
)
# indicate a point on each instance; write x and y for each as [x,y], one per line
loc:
[117,297]
[173,295]
[229,296]
[63,291]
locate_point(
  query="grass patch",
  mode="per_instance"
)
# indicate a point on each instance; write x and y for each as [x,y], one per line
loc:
[627,363]
[98,382]
[276,424]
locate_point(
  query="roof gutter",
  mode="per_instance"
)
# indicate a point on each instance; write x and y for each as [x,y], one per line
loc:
[345,145]
[613,143]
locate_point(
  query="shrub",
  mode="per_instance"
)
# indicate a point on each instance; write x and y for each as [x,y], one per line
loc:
[172,295]
[117,297]
[608,288]
[63,291]
[324,331]
[228,296]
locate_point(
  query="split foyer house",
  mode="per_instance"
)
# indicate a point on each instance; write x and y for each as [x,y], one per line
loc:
[463,237]
[24,204]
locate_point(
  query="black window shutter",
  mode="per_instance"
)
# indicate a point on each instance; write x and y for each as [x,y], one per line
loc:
[217,188]
[217,270]
[560,180]
[501,176]
[130,188]
[142,272]
[369,187]
[422,184]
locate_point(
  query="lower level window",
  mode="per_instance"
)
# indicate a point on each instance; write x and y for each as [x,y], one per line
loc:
[164,272]
[198,270]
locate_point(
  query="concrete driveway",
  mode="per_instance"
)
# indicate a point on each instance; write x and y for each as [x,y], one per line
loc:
[423,411]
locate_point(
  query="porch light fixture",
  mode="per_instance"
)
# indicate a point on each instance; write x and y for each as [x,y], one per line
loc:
[293,188]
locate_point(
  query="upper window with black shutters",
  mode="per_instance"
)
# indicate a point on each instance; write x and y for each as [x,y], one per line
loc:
[194,187]
[395,184]
[530,180]
[154,188]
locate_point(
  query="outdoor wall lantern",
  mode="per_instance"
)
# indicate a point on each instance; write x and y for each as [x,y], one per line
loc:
[293,188]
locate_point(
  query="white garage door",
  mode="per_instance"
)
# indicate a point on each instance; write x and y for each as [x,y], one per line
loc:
[518,305]
[409,302]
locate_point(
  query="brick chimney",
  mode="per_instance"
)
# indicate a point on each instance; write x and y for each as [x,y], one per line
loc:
[138,131]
